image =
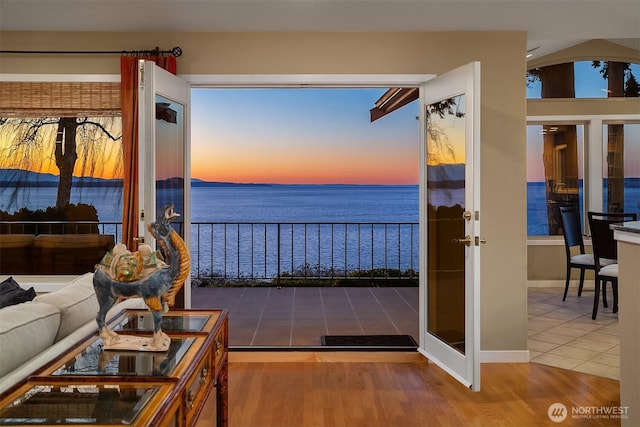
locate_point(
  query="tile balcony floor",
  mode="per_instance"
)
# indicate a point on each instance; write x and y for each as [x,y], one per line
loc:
[561,334]
[298,317]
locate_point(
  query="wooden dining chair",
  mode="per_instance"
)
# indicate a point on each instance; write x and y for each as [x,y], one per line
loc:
[574,246]
[605,250]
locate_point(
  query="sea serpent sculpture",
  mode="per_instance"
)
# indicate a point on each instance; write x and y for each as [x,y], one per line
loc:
[146,274]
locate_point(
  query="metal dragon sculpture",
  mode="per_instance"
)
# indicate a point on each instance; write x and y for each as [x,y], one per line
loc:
[144,273]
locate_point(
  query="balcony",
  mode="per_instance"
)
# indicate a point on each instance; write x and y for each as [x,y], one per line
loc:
[288,284]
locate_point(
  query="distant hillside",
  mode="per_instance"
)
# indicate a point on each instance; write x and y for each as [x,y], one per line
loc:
[9,177]
[13,175]
[195,182]
[37,179]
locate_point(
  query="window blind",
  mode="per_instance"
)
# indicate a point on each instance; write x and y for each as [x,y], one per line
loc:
[59,99]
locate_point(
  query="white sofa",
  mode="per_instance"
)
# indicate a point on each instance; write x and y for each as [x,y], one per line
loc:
[35,332]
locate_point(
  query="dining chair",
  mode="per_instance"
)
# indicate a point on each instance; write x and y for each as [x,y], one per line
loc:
[605,251]
[574,246]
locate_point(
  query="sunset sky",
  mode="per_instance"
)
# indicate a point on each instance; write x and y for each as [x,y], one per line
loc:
[310,136]
[324,135]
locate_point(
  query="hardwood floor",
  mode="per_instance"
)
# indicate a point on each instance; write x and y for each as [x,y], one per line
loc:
[306,389]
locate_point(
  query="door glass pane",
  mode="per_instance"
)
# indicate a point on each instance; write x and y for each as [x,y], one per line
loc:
[170,158]
[445,223]
[621,168]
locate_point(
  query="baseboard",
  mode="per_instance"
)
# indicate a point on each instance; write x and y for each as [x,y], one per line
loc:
[504,356]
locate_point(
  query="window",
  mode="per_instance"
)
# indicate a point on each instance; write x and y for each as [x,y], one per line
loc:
[555,177]
[608,150]
[621,167]
[60,163]
[585,78]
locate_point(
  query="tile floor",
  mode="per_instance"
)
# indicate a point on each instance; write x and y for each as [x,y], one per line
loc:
[298,317]
[561,334]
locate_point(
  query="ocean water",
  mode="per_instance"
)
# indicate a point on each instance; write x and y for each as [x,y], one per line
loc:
[253,203]
[107,200]
[537,224]
[305,203]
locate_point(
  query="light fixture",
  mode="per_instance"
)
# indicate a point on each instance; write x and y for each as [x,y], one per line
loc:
[529,54]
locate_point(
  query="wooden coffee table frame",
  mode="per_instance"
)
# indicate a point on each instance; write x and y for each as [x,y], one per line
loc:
[139,388]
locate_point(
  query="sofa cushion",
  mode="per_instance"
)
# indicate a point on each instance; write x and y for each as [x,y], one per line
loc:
[29,365]
[11,293]
[77,304]
[26,330]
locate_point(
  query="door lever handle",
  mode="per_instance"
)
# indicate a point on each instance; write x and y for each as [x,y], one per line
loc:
[466,240]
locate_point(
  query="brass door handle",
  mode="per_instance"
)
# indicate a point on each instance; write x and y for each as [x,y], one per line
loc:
[464,241]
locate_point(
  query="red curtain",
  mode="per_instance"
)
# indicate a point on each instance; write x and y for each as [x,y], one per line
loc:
[129,103]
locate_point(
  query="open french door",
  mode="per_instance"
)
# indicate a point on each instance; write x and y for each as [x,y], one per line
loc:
[164,153]
[450,223]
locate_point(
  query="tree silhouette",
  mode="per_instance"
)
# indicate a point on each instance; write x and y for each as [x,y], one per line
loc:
[25,143]
[620,83]
[439,147]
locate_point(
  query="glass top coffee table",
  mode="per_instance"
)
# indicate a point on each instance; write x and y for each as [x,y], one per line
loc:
[89,385]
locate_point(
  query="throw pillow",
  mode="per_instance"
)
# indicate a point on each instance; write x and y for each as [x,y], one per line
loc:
[11,293]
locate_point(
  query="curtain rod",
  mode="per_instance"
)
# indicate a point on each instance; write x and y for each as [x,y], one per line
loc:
[176,51]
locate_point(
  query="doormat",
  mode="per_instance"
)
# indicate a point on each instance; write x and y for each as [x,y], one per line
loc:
[376,341]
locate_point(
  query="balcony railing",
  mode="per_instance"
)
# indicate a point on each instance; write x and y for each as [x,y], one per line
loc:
[232,252]
[273,252]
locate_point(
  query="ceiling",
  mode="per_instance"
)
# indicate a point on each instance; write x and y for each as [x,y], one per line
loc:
[551,25]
